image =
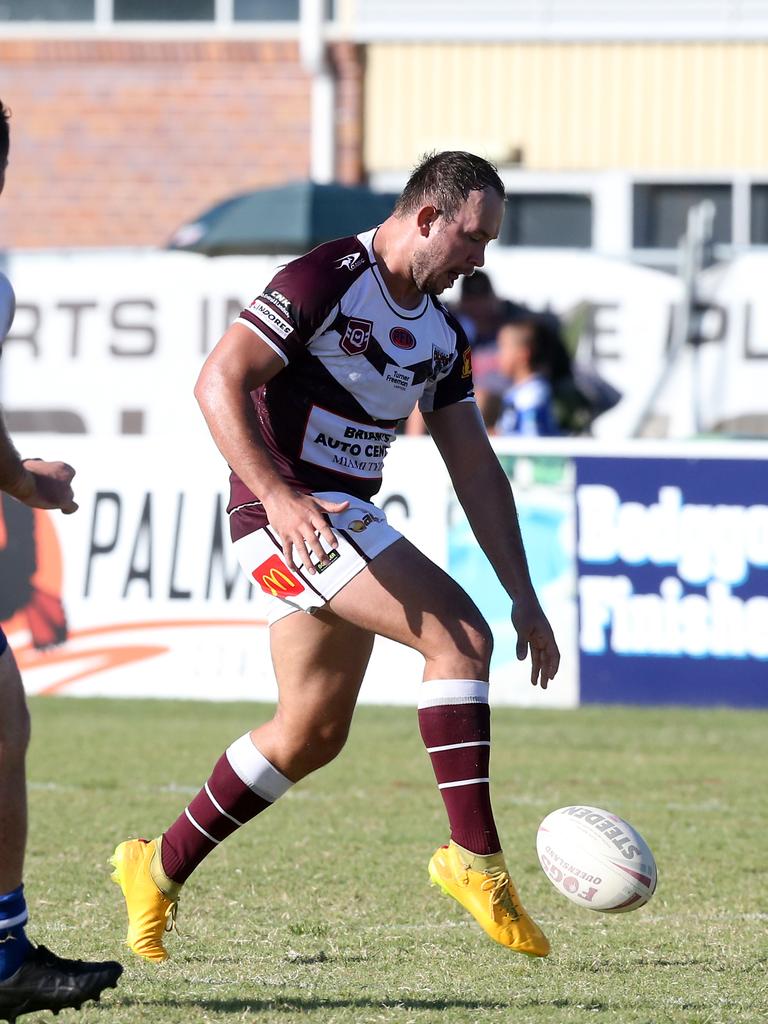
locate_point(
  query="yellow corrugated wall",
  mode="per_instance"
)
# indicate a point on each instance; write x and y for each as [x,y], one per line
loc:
[570,106]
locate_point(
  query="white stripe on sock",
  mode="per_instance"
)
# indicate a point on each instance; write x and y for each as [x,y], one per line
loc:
[253,769]
[455,746]
[461,782]
[435,692]
[219,808]
[200,827]
[12,922]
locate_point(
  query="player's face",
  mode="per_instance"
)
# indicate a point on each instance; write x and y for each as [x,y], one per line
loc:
[457,247]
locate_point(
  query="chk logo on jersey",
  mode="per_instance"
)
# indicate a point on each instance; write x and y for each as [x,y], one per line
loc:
[276,579]
[356,336]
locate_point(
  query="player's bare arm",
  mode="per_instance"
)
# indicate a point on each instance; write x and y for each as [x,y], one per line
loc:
[239,364]
[486,496]
[33,482]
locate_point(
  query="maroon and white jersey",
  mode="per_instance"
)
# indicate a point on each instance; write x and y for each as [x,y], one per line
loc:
[356,364]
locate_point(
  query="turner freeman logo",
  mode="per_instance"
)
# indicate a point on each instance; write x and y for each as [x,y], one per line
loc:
[276,579]
[350,261]
[356,336]
[401,378]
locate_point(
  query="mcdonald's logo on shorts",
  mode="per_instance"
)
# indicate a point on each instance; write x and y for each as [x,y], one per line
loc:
[276,579]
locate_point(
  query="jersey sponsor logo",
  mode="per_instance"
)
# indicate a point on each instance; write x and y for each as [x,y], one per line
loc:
[466,364]
[441,362]
[399,377]
[278,299]
[358,525]
[345,446]
[328,561]
[401,337]
[269,317]
[349,262]
[276,579]
[356,336]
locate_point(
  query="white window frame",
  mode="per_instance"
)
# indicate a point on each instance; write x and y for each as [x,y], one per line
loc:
[103,25]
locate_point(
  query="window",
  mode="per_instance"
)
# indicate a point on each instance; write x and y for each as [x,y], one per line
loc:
[226,11]
[47,10]
[163,10]
[758,229]
[266,10]
[548,219]
[660,213]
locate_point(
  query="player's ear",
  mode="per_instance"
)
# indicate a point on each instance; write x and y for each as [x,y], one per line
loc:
[426,218]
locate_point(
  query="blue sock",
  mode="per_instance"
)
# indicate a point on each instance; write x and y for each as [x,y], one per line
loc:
[14,944]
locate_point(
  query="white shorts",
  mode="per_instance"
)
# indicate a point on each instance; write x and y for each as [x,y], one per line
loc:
[362,532]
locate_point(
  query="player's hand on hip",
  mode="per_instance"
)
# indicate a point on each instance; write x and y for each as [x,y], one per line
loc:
[534,633]
[301,521]
[45,485]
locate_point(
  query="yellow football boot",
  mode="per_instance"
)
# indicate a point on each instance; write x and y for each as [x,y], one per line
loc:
[151,909]
[483,887]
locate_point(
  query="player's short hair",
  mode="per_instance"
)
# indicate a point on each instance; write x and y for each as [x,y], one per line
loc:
[445,180]
[5,134]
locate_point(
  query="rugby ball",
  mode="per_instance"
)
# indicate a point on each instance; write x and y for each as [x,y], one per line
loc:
[596,859]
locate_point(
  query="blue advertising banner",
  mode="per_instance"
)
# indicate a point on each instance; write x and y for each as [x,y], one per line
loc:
[673,580]
[544,491]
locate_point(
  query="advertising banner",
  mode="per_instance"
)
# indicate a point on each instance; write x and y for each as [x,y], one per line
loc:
[673,580]
[650,562]
[544,493]
[142,322]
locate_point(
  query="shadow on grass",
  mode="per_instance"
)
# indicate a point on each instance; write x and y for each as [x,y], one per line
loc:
[291,1005]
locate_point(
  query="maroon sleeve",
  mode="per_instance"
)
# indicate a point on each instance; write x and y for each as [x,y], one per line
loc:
[303,295]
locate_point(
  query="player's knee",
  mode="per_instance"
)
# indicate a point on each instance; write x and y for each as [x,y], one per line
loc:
[467,650]
[322,744]
[482,642]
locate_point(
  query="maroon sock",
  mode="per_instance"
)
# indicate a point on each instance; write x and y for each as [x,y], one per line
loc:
[455,724]
[243,783]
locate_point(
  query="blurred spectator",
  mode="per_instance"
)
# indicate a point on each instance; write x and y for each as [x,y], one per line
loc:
[481,311]
[515,398]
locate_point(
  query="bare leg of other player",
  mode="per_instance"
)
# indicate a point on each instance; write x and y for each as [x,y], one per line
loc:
[31,977]
[14,739]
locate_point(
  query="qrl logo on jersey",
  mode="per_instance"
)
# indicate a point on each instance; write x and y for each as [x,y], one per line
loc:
[356,336]
[275,578]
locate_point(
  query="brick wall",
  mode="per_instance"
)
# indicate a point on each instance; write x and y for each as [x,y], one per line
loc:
[118,142]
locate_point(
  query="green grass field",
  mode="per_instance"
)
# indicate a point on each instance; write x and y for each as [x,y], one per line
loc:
[321,909]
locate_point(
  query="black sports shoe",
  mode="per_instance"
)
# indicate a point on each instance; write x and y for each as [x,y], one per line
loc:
[46,982]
